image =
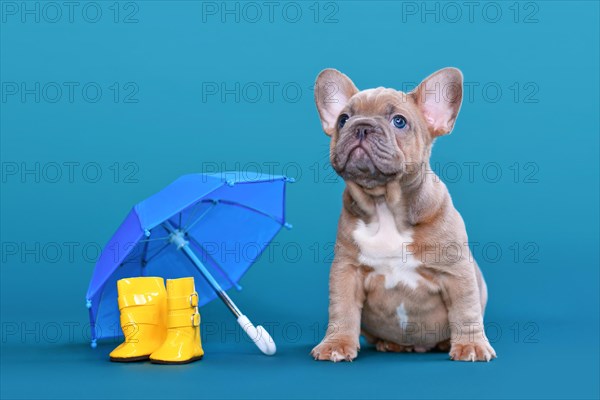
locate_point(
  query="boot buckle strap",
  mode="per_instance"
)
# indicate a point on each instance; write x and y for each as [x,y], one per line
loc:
[195,319]
[194,299]
[182,320]
[183,302]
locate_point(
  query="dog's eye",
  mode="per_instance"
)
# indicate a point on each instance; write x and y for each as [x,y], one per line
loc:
[343,119]
[399,121]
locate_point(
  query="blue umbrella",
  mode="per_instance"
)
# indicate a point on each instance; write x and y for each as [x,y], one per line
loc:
[210,226]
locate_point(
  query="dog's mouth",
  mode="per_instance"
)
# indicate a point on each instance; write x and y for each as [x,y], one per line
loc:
[365,164]
[368,153]
[358,152]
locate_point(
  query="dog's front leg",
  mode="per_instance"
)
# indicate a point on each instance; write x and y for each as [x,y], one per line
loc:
[461,295]
[346,297]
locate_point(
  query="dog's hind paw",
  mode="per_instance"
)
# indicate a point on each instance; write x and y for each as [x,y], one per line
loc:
[391,347]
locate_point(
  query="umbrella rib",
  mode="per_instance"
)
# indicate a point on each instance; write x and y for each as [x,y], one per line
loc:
[228,202]
[256,210]
[154,239]
[157,252]
[189,226]
[193,212]
[144,254]
[127,262]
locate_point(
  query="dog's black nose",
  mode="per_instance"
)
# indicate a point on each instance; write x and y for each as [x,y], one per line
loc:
[363,130]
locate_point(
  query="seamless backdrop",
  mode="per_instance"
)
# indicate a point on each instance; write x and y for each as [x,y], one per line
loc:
[104,103]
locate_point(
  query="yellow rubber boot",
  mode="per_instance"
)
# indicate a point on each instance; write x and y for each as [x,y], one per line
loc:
[143,307]
[183,344]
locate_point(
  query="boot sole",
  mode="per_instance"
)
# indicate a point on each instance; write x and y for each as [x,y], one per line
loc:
[176,362]
[130,359]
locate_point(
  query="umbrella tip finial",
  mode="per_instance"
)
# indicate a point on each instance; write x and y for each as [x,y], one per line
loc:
[230,182]
[88,303]
[287,225]
[93,344]
[289,179]
[147,232]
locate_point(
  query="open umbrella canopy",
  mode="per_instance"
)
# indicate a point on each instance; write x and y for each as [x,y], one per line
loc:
[223,221]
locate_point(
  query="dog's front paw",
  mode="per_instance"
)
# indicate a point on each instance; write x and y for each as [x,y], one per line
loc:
[336,349]
[472,351]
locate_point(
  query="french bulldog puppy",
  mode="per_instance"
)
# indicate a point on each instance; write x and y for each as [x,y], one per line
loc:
[403,275]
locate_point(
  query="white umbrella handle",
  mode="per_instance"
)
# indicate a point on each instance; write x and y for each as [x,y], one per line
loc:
[259,336]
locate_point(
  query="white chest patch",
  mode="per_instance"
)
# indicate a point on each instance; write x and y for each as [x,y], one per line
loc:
[385,249]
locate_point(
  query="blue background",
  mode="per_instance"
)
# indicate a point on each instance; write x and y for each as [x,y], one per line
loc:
[540,132]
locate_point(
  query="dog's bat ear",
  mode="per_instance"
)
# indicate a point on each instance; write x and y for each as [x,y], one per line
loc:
[332,92]
[439,97]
